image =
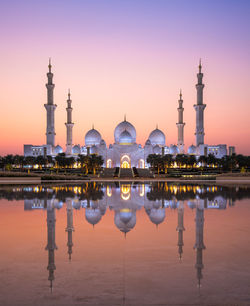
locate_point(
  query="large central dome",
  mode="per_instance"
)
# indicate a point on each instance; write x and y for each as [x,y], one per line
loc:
[125,126]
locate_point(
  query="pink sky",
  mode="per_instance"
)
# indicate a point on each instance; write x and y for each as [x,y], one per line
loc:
[121,59]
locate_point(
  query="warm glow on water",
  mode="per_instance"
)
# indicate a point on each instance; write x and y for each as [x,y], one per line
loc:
[143,268]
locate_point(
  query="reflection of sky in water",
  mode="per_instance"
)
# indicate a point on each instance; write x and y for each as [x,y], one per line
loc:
[176,211]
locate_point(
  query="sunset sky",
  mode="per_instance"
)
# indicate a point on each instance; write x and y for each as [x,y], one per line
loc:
[125,57]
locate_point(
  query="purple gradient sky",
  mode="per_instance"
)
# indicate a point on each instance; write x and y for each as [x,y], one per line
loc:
[125,57]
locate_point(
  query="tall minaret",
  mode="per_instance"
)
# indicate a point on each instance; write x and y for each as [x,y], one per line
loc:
[51,244]
[50,108]
[199,108]
[70,228]
[69,126]
[180,125]
[180,228]
[199,244]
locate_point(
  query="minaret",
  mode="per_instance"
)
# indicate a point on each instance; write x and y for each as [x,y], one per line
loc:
[50,108]
[199,244]
[180,125]
[180,228]
[199,108]
[51,244]
[70,228]
[69,126]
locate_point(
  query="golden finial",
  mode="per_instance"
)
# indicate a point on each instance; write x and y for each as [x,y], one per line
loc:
[50,65]
[93,126]
[200,66]
[69,93]
[180,94]
[157,126]
[125,119]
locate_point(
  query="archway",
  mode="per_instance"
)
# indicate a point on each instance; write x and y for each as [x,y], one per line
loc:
[125,162]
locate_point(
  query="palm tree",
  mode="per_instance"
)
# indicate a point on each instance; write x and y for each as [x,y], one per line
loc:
[84,161]
[40,160]
[96,162]
[203,160]
[167,161]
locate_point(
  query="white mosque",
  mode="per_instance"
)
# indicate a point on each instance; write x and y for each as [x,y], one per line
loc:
[125,152]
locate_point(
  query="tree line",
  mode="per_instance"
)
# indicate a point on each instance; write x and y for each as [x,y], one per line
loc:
[161,163]
[87,163]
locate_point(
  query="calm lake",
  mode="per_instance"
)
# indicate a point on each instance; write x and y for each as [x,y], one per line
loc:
[125,244]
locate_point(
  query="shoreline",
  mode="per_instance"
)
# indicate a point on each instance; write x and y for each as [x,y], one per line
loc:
[38,180]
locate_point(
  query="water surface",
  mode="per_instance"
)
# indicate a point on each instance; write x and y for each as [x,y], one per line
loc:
[125,244]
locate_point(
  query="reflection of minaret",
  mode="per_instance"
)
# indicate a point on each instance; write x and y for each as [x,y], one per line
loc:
[50,108]
[180,228]
[70,228]
[51,245]
[180,125]
[199,108]
[69,126]
[199,245]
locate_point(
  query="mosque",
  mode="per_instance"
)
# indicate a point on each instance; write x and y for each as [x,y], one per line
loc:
[125,152]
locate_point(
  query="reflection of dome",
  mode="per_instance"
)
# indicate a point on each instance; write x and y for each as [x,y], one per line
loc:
[76,149]
[157,216]
[174,150]
[124,126]
[93,137]
[192,149]
[157,137]
[93,216]
[125,215]
[157,150]
[125,138]
[125,226]
[58,149]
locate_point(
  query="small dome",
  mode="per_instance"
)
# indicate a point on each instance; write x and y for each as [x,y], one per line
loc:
[124,126]
[125,138]
[103,143]
[157,216]
[174,150]
[157,137]
[93,216]
[192,149]
[157,150]
[58,149]
[148,143]
[76,149]
[93,137]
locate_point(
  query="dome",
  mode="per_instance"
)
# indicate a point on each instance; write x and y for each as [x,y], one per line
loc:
[93,137]
[174,150]
[157,137]
[157,216]
[157,150]
[148,143]
[192,149]
[76,149]
[58,149]
[124,126]
[93,216]
[125,138]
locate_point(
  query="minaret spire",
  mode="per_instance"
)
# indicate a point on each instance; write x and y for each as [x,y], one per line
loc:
[51,244]
[199,108]
[50,108]
[180,228]
[69,125]
[70,228]
[180,125]
[199,244]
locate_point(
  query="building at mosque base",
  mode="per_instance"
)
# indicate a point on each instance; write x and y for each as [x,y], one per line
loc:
[125,152]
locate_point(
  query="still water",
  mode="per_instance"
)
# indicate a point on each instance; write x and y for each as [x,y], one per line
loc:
[125,244]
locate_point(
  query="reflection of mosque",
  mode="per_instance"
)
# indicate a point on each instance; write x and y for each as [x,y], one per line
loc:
[125,200]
